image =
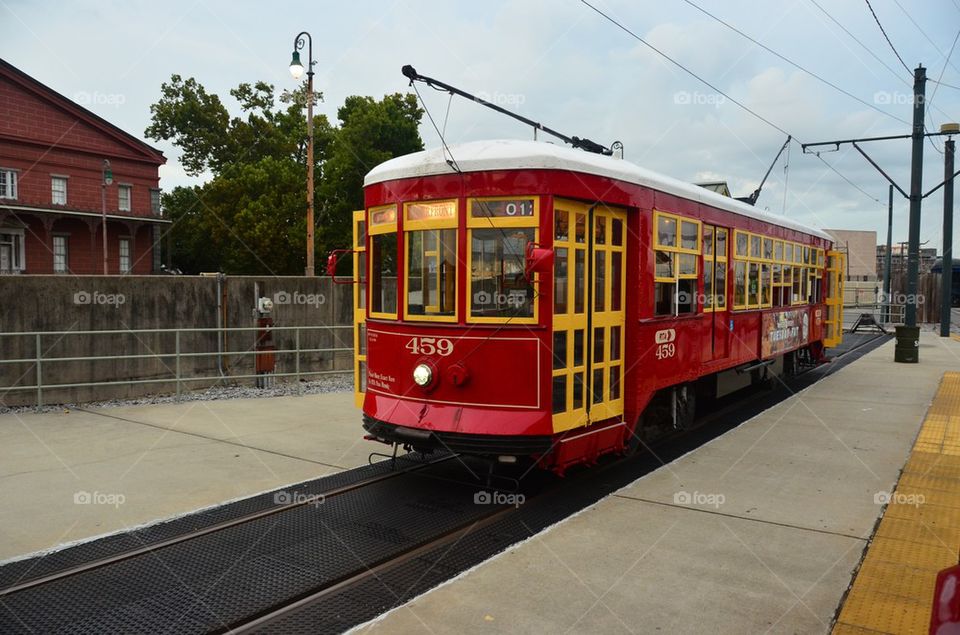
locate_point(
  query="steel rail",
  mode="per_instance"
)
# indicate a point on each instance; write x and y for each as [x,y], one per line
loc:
[246,518]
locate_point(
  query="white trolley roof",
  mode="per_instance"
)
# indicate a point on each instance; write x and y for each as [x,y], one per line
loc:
[482,156]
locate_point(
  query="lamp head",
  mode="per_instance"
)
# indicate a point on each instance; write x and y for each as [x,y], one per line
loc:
[296,67]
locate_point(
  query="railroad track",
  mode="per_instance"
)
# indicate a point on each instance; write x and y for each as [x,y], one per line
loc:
[295,502]
[373,544]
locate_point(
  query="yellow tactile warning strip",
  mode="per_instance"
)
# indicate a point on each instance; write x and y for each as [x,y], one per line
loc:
[919,533]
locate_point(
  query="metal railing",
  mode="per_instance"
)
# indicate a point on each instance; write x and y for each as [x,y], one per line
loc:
[883,313]
[42,365]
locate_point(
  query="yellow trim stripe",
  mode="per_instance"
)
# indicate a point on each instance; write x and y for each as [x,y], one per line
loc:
[920,531]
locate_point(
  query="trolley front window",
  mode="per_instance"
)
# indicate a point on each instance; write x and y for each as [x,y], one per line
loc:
[383,274]
[498,284]
[499,231]
[430,239]
[382,258]
[432,272]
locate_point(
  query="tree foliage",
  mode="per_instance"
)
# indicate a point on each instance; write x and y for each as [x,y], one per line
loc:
[250,216]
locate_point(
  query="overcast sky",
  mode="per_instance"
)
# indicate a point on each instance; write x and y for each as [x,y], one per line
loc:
[560,63]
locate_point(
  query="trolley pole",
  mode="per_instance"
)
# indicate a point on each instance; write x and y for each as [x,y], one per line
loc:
[946,275]
[916,197]
[888,259]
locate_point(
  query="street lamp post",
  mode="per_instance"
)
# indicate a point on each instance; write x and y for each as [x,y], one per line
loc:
[296,69]
[107,180]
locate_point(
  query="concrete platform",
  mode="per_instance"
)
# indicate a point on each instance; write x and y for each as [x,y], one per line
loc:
[758,531]
[73,475]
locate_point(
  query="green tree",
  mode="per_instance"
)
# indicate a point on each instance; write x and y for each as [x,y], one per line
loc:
[370,133]
[249,217]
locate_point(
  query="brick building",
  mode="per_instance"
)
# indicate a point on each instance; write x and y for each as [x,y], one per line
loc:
[52,154]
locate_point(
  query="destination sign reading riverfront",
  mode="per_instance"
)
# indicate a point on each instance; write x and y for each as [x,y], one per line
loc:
[515,208]
[432,211]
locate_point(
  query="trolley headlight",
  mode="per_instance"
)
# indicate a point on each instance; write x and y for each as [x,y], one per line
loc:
[422,375]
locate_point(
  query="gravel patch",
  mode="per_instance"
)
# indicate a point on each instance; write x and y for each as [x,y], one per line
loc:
[330,383]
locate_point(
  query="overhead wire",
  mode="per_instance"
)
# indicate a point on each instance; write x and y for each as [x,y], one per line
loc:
[887,37]
[743,106]
[862,45]
[684,68]
[922,32]
[887,66]
[794,64]
[786,179]
[937,85]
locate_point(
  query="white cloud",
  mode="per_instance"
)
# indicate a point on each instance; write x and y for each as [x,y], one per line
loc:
[556,62]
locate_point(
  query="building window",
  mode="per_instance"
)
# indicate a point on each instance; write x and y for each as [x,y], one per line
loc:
[8,184]
[124,255]
[58,190]
[155,202]
[60,254]
[124,193]
[12,253]
[676,247]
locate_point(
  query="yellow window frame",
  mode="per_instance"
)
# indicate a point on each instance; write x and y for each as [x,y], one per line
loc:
[383,227]
[717,259]
[503,222]
[375,229]
[736,242]
[724,260]
[486,222]
[748,258]
[678,219]
[449,222]
[676,251]
[767,266]
[746,283]
[359,312]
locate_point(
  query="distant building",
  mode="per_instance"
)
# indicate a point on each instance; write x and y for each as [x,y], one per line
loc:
[52,153]
[898,260]
[861,249]
[720,187]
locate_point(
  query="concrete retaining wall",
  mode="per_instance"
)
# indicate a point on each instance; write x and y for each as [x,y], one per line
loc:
[65,303]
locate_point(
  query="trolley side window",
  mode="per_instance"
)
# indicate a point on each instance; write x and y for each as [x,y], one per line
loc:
[676,248]
[430,235]
[753,271]
[714,268]
[499,230]
[383,262]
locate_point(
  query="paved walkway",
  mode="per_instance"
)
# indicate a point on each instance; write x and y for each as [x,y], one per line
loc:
[73,475]
[919,534]
[758,531]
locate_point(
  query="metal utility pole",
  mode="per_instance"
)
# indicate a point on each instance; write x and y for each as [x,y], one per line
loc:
[916,196]
[908,335]
[946,275]
[888,260]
